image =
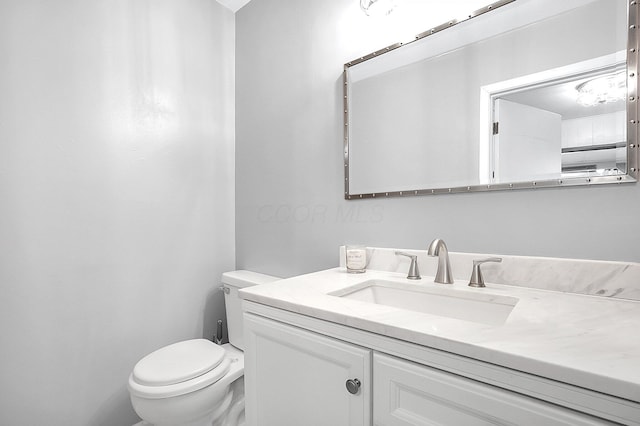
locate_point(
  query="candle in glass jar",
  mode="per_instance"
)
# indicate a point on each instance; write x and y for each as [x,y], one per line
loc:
[356,259]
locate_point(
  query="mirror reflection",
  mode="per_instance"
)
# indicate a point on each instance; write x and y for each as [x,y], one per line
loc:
[570,126]
[534,91]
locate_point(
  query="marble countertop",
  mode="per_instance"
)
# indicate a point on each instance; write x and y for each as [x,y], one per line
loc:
[583,340]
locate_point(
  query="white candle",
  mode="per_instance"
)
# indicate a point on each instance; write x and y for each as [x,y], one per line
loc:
[356,257]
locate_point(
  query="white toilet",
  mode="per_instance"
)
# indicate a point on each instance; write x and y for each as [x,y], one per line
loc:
[196,382]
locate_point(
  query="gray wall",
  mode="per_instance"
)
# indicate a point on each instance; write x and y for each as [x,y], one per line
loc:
[290,211]
[116,184]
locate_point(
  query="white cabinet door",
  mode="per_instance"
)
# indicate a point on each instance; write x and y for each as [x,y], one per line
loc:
[298,378]
[528,143]
[406,393]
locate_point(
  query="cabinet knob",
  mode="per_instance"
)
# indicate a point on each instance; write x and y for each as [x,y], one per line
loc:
[353,386]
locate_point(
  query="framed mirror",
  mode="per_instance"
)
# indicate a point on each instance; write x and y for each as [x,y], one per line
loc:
[518,95]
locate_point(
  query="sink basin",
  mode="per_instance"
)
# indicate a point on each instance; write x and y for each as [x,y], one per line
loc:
[473,306]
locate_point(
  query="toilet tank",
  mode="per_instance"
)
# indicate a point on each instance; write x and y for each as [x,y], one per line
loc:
[232,282]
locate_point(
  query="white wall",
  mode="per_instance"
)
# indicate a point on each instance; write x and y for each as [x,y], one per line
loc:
[290,211]
[116,192]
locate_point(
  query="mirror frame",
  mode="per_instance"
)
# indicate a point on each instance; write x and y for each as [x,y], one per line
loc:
[632,174]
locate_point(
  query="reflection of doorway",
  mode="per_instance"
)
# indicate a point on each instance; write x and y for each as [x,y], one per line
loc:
[592,138]
[527,143]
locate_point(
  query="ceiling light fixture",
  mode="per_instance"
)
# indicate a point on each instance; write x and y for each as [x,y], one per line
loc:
[602,90]
[377,7]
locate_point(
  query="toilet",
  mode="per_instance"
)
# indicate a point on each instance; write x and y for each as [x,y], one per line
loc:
[196,382]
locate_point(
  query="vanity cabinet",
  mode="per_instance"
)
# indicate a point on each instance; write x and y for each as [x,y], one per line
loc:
[298,377]
[294,377]
[409,394]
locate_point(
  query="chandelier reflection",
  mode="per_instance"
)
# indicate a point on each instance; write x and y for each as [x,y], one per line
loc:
[602,90]
[377,7]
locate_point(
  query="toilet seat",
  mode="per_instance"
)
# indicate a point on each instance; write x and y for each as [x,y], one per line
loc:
[178,369]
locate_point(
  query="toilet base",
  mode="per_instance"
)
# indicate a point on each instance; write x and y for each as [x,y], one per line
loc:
[229,413]
[233,413]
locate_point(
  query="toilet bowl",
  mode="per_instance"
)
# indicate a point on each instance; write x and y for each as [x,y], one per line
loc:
[196,382]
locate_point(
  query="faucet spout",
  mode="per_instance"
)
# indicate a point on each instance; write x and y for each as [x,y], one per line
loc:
[439,248]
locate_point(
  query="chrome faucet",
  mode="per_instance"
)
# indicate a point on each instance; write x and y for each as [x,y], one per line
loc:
[443,274]
[414,272]
[476,279]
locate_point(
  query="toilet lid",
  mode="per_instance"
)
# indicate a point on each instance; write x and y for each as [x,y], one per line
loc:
[177,363]
[179,369]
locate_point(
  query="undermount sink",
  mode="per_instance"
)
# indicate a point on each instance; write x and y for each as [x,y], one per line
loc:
[473,306]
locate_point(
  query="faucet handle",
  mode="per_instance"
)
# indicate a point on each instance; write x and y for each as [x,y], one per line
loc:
[476,275]
[414,273]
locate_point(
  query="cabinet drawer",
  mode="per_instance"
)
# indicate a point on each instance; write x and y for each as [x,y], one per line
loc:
[406,393]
